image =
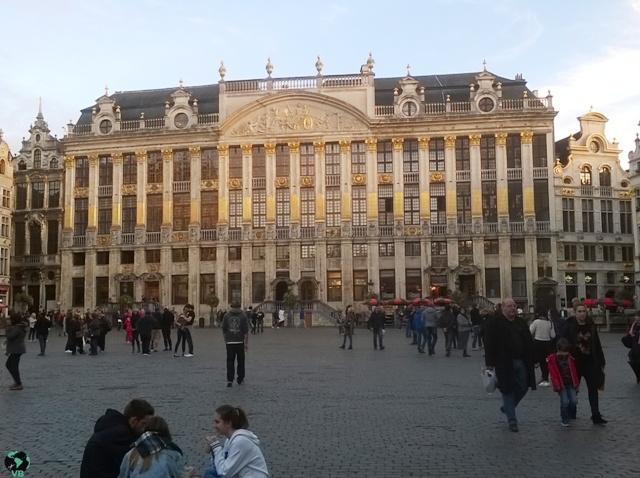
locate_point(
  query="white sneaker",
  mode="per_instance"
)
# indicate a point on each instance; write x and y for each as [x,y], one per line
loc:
[68,351]
[188,355]
[544,383]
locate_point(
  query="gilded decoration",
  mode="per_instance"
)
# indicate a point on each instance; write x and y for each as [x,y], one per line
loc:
[526,137]
[306,181]
[80,192]
[501,139]
[423,143]
[345,145]
[154,188]
[129,189]
[437,177]
[270,148]
[412,230]
[557,169]
[68,162]
[104,240]
[223,149]
[153,268]
[141,156]
[167,154]
[474,139]
[246,149]
[397,143]
[625,194]
[282,182]
[318,146]
[117,159]
[235,183]
[449,141]
[292,117]
[333,232]
[568,192]
[372,144]
[358,179]
[294,147]
[209,184]
[385,178]
[93,160]
[179,237]
[194,151]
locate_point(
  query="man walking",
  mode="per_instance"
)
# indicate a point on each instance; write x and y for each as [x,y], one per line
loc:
[235,328]
[509,350]
[376,323]
[430,327]
[167,323]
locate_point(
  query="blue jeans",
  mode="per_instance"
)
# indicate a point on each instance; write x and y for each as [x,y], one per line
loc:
[407,332]
[477,336]
[519,390]
[568,403]
[431,336]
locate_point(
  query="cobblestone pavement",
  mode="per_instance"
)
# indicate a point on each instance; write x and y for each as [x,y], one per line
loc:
[321,411]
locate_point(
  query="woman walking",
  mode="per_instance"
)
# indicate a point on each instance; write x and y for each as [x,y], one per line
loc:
[32,327]
[464,330]
[543,333]
[16,333]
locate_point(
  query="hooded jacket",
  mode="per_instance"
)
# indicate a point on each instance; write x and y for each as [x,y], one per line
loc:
[166,459]
[240,457]
[111,440]
[235,326]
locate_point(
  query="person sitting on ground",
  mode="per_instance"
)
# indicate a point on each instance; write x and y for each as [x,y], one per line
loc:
[113,434]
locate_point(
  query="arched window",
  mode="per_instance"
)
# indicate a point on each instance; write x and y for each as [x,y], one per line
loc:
[53,164]
[2,167]
[22,165]
[605,176]
[37,158]
[585,176]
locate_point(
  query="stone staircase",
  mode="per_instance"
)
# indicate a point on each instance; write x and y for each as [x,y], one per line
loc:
[322,314]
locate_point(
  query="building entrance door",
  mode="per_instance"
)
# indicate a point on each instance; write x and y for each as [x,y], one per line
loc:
[152,290]
[308,290]
[281,289]
[468,285]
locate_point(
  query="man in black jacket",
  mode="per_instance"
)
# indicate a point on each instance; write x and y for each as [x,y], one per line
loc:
[167,323]
[508,349]
[235,328]
[376,323]
[112,437]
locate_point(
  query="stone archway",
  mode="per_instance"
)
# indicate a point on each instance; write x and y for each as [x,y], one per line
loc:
[308,289]
[280,289]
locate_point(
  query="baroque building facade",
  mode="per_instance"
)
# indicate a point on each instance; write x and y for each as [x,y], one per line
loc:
[37,220]
[634,174]
[596,224]
[6,188]
[337,186]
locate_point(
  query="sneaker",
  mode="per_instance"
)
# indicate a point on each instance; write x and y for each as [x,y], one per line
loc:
[229,384]
[599,421]
[176,355]
[15,386]
[564,424]
[188,355]
[68,351]
[544,383]
[513,426]
[240,382]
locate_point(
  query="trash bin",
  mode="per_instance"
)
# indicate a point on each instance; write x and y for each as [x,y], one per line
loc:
[201,322]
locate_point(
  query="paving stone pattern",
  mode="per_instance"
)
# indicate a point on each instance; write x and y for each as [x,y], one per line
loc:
[321,411]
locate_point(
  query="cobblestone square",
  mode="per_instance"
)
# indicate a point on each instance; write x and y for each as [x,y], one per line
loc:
[321,411]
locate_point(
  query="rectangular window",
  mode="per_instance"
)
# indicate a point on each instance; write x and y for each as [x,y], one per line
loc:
[385,205]
[436,154]
[488,152]
[235,209]
[21,196]
[52,236]
[308,251]
[413,281]
[463,202]
[627,253]
[489,202]
[181,211]
[543,245]
[360,250]
[258,287]
[516,213]
[589,252]
[519,282]
[307,160]
[208,254]
[517,246]
[385,156]
[568,215]
[77,292]
[608,253]
[282,160]
[105,207]
[257,253]
[438,203]
[570,252]
[307,207]
[258,161]
[626,223]
[259,207]
[127,257]
[606,213]
[332,159]
[154,167]
[81,216]
[235,162]
[209,209]
[411,204]
[412,249]
[78,259]
[514,156]
[19,238]
[591,285]
[82,172]
[545,271]
[571,287]
[386,249]
[491,247]
[541,199]
[54,194]
[207,288]
[181,165]
[234,279]
[102,290]
[129,212]
[334,198]
[235,253]
[492,282]
[539,147]
[209,163]
[179,289]
[463,157]
[102,258]
[154,212]
[387,284]
[359,206]
[587,215]
[180,255]
[360,285]
[129,169]
[105,171]
[152,256]
[37,195]
[410,161]
[334,286]
[334,251]
[358,158]
[465,249]
[283,207]
[6,197]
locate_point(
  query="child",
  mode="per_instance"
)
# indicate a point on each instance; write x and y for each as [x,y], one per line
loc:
[565,380]
[128,328]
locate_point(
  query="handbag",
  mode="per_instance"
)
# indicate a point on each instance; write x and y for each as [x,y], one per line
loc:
[627,340]
[489,380]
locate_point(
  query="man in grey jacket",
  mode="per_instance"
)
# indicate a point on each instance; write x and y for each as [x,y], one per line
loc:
[235,328]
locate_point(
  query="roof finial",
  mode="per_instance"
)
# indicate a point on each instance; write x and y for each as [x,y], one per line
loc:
[222,71]
[40,108]
[370,62]
[591,109]
[319,65]
[408,70]
[180,83]
[269,67]
[484,64]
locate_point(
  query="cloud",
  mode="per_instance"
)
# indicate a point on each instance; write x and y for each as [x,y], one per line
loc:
[525,26]
[635,4]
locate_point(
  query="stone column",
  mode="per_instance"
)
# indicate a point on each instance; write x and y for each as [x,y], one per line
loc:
[221,275]
[294,171]
[372,184]
[270,182]
[93,193]
[29,193]
[373,264]
[247,179]
[194,277]
[502,184]
[223,189]
[345,184]
[113,269]
[528,201]
[269,269]
[246,277]
[347,272]
[321,216]
[141,193]
[66,266]
[196,172]
[452,260]
[321,268]
[531,265]
[45,201]
[116,214]
[90,278]
[425,203]
[167,189]
[398,183]
[505,266]
[476,180]
[400,269]
[450,178]
[165,270]
[479,261]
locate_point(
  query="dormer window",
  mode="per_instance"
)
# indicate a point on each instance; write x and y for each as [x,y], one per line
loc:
[105,126]
[605,176]
[37,158]
[37,138]
[53,164]
[585,176]
[409,108]
[22,166]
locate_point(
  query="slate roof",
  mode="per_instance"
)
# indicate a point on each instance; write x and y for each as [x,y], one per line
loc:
[562,148]
[151,102]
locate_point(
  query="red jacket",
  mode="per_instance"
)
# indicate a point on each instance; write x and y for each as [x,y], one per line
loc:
[554,373]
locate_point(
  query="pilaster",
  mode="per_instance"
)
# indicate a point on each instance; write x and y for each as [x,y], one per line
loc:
[320,185]
[116,212]
[223,191]
[450,178]
[196,172]
[476,176]
[345,182]
[167,187]
[69,181]
[270,178]
[93,192]
[141,197]
[501,176]
[423,158]
[294,168]
[526,152]
[246,187]
[347,271]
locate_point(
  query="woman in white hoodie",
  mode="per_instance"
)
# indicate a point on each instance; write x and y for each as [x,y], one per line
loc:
[237,454]
[543,333]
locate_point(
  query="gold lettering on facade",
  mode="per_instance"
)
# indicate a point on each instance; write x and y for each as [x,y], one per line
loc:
[568,192]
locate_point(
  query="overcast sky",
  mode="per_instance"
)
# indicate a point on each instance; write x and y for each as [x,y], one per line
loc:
[586,52]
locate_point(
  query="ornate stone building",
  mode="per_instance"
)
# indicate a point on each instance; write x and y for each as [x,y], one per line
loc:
[594,197]
[37,220]
[634,174]
[6,186]
[335,185]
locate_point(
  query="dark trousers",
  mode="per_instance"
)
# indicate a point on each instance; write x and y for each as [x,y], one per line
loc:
[233,351]
[451,339]
[32,333]
[166,337]
[78,345]
[254,324]
[344,340]
[542,349]
[180,339]
[593,380]
[42,338]
[101,340]
[511,399]
[135,341]
[187,337]
[94,343]
[377,338]
[146,342]
[260,325]
[184,337]
[13,363]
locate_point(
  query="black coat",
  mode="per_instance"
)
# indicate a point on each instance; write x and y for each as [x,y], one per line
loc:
[145,325]
[498,354]
[111,440]
[588,365]
[376,320]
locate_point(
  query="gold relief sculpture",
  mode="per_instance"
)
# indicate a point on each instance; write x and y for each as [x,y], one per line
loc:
[568,192]
[437,177]
[259,234]
[194,151]
[270,148]
[104,240]
[80,192]
[223,149]
[129,189]
[116,158]
[423,143]
[235,183]
[246,149]
[345,145]
[93,160]
[318,146]
[179,236]
[372,144]
[557,169]
[209,184]
[474,139]
[141,156]
[167,154]
[307,181]
[68,162]
[625,194]
[526,137]
[294,147]
[412,231]
[385,178]
[501,139]
[154,187]
[449,141]
[397,143]
[358,179]
[282,182]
